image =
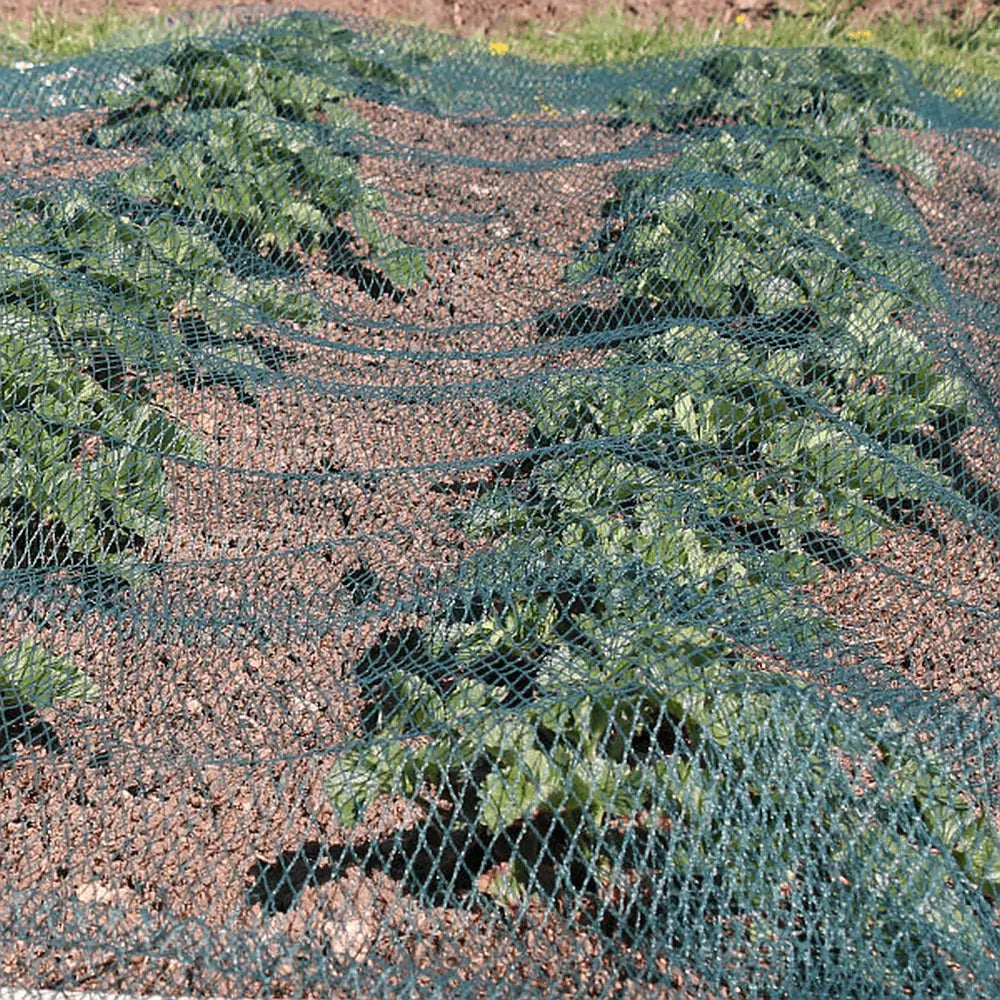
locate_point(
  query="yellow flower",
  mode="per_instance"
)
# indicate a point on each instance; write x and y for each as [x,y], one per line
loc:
[499,48]
[958,91]
[860,35]
[740,18]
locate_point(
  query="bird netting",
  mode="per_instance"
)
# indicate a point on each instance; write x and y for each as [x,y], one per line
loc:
[477,528]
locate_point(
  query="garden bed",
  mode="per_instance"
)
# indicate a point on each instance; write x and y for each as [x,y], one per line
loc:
[148,853]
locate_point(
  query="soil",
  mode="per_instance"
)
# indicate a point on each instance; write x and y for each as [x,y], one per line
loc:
[182,841]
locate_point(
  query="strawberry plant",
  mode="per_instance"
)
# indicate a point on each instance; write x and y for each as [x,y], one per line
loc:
[259,142]
[162,268]
[861,95]
[271,71]
[587,704]
[801,399]
[82,481]
[630,753]
[125,289]
[269,186]
[165,265]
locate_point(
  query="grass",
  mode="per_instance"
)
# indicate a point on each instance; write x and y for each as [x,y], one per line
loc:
[971,46]
[965,44]
[51,36]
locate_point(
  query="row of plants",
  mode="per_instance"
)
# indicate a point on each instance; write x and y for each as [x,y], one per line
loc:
[298,67]
[590,705]
[858,94]
[774,224]
[82,478]
[169,267]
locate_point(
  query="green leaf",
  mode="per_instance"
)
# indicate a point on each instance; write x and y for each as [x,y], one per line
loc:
[404,266]
[895,149]
[36,677]
[353,783]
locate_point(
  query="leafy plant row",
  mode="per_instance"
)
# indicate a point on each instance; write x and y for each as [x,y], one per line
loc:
[782,226]
[167,267]
[591,698]
[82,476]
[259,139]
[298,67]
[164,267]
[859,94]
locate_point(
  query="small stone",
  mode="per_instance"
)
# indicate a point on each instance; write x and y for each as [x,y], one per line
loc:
[349,939]
[95,892]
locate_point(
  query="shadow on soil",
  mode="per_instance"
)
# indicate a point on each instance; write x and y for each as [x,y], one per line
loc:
[438,866]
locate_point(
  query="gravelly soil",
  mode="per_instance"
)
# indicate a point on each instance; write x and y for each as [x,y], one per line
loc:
[135,859]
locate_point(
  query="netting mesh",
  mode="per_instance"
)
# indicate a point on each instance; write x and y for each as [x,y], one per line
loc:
[477,528]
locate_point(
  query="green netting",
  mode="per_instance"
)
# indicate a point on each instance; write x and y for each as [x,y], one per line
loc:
[474,528]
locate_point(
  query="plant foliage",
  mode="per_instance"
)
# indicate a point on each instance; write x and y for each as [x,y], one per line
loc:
[125,288]
[260,140]
[270,72]
[31,678]
[825,90]
[166,267]
[82,481]
[862,96]
[593,697]
[788,227]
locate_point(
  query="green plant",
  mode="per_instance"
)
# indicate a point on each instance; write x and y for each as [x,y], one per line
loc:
[166,267]
[802,270]
[592,705]
[783,227]
[125,289]
[589,698]
[31,678]
[82,480]
[589,706]
[643,759]
[687,484]
[729,465]
[270,72]
[829,91]
[259,141]
[271,186]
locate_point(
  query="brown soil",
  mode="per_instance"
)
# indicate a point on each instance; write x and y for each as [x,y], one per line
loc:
[140,858]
